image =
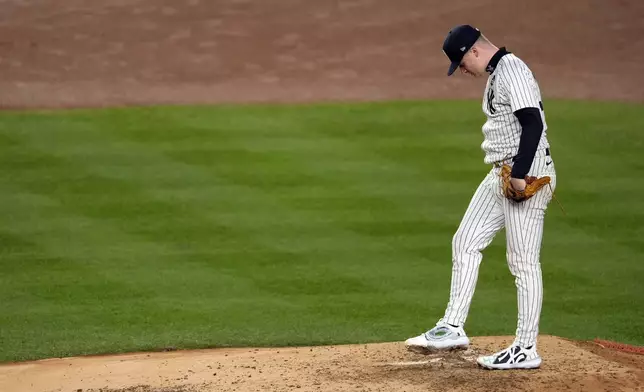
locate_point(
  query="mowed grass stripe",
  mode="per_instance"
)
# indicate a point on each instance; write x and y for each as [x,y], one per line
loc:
[94,208]
[253,198]
[290,170]
[97,289]
[296,225]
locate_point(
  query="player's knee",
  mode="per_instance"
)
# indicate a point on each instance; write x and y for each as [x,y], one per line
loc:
[458,242]
[463,242]
[462,246]
[522,265]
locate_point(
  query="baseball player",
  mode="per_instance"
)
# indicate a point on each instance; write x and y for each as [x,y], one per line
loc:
[512,195]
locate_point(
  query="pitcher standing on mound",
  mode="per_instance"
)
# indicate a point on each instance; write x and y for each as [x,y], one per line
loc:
[514,137]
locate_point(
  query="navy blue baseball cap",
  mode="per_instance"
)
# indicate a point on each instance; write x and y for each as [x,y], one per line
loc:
[458,41]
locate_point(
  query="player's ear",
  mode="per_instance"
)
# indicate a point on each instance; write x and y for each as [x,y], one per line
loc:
[475,51]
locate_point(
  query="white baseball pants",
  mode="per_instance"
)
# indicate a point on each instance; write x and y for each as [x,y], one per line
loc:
[488,212]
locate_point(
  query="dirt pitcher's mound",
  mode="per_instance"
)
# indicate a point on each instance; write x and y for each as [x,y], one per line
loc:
[568,366]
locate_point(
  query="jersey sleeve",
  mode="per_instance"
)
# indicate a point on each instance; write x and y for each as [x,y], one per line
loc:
[519,85]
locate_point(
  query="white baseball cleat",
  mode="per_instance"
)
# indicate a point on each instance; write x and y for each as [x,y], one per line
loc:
[513,357]
[442,337]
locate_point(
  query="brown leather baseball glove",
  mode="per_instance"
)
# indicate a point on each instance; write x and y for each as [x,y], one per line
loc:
[533,184]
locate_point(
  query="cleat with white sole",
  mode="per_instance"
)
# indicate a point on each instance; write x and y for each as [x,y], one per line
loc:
[513,357]
[442,337]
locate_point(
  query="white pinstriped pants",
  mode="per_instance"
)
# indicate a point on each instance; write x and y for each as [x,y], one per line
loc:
[488,213]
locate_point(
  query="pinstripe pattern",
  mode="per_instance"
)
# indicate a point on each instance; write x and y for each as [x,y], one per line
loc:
[488,213]
[482,220]
[524,231]
[510,87]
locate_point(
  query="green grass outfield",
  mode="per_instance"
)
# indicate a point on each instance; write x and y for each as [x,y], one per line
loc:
[138,229]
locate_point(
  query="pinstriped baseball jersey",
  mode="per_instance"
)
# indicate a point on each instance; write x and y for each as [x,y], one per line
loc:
[510,87]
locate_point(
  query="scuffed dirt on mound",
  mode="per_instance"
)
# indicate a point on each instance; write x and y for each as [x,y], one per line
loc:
[568,366]
[147,388]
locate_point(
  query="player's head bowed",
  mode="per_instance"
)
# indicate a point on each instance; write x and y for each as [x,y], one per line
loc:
[468,50]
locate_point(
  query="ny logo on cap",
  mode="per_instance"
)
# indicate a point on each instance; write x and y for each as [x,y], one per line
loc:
[463,49]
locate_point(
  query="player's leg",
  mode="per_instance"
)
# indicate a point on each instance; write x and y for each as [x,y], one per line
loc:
[481,221]
[524,232]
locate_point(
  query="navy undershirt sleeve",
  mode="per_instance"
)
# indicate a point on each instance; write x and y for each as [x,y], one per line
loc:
[532,128]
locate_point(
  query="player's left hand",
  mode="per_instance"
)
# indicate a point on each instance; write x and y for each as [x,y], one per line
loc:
[518,183]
